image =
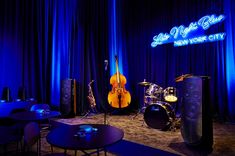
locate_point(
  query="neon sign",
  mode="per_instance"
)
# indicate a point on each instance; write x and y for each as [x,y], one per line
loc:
[192,34]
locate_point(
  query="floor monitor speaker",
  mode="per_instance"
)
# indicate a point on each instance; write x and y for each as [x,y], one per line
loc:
[68,98]
[196,118]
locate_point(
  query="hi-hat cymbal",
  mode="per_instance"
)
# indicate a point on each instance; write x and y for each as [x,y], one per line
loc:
[144,83]
[181,78]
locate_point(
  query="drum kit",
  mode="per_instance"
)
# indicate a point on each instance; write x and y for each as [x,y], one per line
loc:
[158,110]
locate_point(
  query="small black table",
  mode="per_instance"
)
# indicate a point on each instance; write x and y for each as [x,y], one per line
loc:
[66,137]
[34,116]
[28,116]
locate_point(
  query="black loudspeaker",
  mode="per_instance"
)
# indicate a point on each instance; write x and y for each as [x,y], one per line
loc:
[21,94]
[68,98]
[196,117]
[6,95]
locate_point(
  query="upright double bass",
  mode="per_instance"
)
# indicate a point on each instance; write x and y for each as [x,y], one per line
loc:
[118,97]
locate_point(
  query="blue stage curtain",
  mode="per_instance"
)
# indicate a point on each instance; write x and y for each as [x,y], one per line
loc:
[229,7]
[43,42]
[141,20]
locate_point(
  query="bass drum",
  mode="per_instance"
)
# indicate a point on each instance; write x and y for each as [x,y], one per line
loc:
[159,115]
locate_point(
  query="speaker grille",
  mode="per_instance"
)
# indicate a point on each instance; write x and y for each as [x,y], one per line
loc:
[68,97]
[196,122]
[192,110]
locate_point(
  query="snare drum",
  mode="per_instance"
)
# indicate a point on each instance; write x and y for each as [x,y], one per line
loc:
[159,115]
[150,99]
[169,94]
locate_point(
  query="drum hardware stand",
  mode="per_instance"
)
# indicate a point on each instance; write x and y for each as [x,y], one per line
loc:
[89,112]
[139,112]
[144,83]
[144,124]
[106,62]
[175,123]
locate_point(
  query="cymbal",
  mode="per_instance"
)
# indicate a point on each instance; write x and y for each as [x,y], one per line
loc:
[181,78]
[144,83]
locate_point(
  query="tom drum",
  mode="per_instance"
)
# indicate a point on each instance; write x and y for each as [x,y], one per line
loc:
[154,90]
[169,94]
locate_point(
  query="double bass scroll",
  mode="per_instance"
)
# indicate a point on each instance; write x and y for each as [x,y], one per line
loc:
[118,97]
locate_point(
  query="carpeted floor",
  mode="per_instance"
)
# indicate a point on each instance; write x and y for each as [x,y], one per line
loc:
[142,140]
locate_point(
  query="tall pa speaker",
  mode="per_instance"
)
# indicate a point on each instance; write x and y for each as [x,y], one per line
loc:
[196,118]
[68,98]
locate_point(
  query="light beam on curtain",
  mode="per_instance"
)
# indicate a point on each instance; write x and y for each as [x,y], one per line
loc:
[230,55]
[61,43]
[115,44]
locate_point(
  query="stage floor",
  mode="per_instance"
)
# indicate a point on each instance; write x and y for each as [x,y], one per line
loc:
[139,139]
[136,131]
